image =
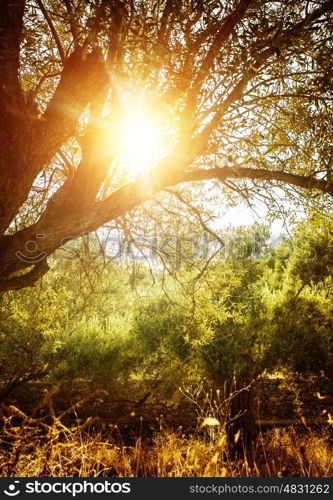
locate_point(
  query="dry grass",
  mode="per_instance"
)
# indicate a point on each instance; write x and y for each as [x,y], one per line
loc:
[59,452]
[291,453]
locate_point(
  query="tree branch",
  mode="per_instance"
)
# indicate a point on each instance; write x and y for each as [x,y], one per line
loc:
[25,280]
[72,23]
[82,77]
[53,30]
[221,36]
[223,33]
[199,142]
[11,23]
[304,182]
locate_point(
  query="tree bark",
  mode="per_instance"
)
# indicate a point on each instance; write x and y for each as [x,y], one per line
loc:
[241,426]
[29,141]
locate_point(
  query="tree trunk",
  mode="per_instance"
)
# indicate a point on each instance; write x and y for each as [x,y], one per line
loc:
[241,426]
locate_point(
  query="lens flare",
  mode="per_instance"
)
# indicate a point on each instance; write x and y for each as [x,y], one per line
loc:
[139,143]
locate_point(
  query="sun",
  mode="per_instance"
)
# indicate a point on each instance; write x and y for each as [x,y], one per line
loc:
[137,138]
[139,142]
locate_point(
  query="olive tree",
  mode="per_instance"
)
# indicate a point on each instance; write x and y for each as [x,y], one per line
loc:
[243,88]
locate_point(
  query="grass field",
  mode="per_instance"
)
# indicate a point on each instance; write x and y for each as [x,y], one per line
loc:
[82,451]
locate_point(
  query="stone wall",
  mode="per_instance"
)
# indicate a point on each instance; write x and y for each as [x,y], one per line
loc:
[277,400]
[294,397]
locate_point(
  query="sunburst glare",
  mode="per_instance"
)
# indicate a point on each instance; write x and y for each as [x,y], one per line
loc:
[140,142]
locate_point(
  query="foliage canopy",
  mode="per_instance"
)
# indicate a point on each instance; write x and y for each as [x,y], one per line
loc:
[241,91]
